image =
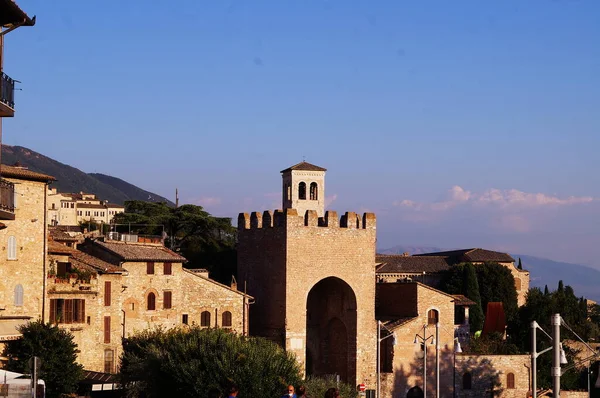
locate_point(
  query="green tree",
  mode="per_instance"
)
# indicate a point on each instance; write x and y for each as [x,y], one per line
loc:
[520,266]
[546,292]
[204,240]
[471,289]
[188,362]
[496,284]
[58,354]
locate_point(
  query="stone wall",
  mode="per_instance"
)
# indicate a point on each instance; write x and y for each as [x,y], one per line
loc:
[492,372]
[283,256]
[27,268]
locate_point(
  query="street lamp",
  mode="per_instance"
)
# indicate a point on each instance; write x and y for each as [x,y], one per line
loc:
[434,340]
[379,340]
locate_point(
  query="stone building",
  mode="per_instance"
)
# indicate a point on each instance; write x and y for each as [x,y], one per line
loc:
[75,208]
[22,243]
[430,268]
[312,275]
[110,289]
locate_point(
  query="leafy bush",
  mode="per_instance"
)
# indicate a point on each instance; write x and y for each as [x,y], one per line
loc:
[58,354]
[316,387]
[188,362]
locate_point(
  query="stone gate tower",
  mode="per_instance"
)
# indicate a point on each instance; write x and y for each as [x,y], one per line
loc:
[313,277]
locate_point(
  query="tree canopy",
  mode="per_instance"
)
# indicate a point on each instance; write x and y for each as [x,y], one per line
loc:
[188,362]
[58,354]
[204,240]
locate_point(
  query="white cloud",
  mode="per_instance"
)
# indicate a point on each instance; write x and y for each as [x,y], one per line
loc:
[208,201]
[514,198]
[330,199]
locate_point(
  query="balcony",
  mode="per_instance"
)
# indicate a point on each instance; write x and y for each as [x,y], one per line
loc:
[7,96]
[7,200]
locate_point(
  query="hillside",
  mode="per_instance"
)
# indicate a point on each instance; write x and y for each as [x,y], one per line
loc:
[71,179]
[583,279]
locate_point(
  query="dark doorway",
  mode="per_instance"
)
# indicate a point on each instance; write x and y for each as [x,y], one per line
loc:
[331,330]
[415,392]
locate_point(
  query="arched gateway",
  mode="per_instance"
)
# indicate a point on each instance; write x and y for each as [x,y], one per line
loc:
[331,329]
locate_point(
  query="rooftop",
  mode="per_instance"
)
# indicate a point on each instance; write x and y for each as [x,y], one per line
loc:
[403,264]
[472,255]
[304,166]
[11,15]
[140,252]
[85,261]
[24,173]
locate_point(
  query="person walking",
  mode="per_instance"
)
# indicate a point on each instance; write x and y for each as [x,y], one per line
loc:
[302,392]
[233,392]
[291,392]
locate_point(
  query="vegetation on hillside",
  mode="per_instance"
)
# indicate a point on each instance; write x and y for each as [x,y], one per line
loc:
[58,354]
[204,240]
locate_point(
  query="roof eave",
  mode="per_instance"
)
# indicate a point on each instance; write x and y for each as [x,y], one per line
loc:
[15,16]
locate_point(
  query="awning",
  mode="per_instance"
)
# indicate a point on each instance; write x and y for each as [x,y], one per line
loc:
[9,328]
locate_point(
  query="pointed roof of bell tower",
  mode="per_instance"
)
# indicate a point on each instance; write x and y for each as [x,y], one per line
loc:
[305,166]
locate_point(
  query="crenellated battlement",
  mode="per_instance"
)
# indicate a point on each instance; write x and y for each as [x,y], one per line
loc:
[290,218]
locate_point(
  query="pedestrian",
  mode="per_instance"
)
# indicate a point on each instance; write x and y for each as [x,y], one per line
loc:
[233,392]
[290,392]
[332,393]
[302,392]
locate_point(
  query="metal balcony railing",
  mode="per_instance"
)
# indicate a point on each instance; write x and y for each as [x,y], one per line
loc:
[7,94]
[7,196]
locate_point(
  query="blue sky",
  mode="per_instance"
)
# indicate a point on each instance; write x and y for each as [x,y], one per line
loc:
[459,123]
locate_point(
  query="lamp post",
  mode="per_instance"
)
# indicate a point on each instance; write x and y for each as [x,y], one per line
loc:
[457,350]
[379,340]
[424,339]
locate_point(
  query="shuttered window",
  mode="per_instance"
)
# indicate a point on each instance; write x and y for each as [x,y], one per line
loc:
[205,319]
[107,329]
[167,269]
[510,380]
[109,361]
[167,300]
[107,293]
[12,248]
[150,267]
[226,319]
[19,295]
[432,317]
[151,304]
[67,311]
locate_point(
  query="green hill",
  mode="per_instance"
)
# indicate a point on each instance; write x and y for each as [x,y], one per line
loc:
[71,179]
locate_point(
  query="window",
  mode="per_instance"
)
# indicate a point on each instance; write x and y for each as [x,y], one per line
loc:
[510,380]
[289,192]
[150,268]
[314,191]
[151,302]
[517,284]
[19,295]
[432,317]
[184,319]
[109,361]
[466,381]
[67,311]
[53,206]
[107,329]
[302,190]
[107,293]
[205,319]
[226,319]
[166,300]
[12,248]
[167,268]
[72,205]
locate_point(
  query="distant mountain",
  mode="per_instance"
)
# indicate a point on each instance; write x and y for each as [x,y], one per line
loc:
[583,279]
[71,179]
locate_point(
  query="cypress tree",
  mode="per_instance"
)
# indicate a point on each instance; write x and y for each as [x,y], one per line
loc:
[471,286]
[520,266]
[546,292]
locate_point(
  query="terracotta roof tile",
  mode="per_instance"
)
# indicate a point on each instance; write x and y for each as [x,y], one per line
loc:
[23,173]
[59,248]
[90,206]
[84,260]
[471,255]
[60,235]
[304,166]
[391,263]
[140,252]
[462,300]
[11,14]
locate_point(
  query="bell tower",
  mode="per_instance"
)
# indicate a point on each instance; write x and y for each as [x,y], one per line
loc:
[304,188]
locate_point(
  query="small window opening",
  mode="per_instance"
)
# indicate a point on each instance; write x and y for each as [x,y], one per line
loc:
[302,191]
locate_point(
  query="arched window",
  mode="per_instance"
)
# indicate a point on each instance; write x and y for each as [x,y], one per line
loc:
[12,248]
[314,191]
[19,296]
[510,380]
[302,191]
[205,319]
[151,302]
[432,317]
[226,319]
[467,381]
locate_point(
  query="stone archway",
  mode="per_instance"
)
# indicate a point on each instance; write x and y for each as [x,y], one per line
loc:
[331,330]
[415,392]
